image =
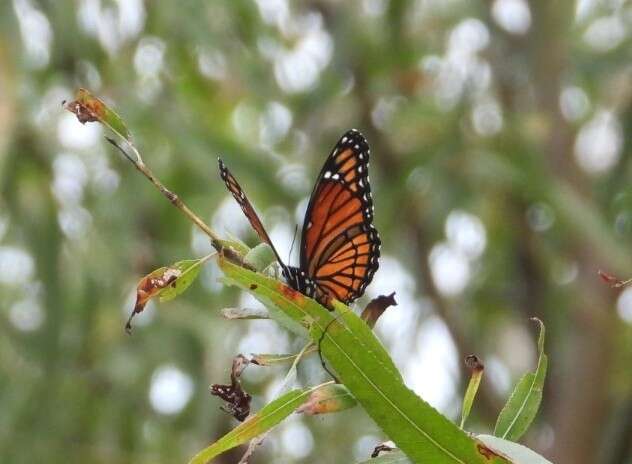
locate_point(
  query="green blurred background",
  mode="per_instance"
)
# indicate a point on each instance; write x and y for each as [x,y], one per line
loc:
[501,170]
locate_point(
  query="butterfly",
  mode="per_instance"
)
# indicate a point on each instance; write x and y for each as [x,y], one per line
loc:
[340,246]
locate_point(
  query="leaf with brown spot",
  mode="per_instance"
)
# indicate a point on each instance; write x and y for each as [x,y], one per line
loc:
[376,307]
[330,398]
[150,286]
[166,282]
[476,367]
[89,108]
[189,271]
[491,447]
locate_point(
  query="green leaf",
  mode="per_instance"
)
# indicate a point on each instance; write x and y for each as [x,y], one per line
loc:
[518,454]
[391,457]
[524,402]
[477,368]
[189,270]
[260,257]
[269,416]
[368,372]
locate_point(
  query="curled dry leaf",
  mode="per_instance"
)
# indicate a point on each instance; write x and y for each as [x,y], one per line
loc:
[383,448]
[167,283]
[474,363]
[86,107]
[376,307]
[237,400]
[149,286]
[89,108]
[613,281]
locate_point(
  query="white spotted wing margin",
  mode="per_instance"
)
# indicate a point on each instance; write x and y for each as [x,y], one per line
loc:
[340,246]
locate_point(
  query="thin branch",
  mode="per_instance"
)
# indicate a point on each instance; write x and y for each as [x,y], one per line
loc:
[175,200]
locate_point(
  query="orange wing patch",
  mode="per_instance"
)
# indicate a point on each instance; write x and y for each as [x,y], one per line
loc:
[340,246]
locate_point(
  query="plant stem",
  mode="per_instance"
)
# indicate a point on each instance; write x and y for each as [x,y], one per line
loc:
[175,200]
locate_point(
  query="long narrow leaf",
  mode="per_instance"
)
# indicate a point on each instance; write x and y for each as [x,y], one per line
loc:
[524,402]
[517,453]
[269,416]
[369,373]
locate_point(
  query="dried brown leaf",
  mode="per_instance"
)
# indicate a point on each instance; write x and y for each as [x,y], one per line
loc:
[376,307]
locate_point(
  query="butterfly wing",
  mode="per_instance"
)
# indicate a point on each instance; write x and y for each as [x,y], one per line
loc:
[235,189]
[340,246]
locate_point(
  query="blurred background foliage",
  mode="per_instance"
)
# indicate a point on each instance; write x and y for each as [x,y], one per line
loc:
[501,169]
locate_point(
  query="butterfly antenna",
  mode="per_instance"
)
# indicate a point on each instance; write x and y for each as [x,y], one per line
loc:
[289,257]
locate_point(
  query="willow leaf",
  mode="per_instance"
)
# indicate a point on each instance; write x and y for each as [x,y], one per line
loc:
[369,373]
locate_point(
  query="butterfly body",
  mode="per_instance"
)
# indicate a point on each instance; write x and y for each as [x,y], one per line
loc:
[340,246]
[298,280]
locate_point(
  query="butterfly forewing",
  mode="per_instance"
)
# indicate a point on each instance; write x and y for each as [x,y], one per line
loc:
[340,246]
[235,189]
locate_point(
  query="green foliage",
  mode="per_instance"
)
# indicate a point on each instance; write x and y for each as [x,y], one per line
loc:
[260,257]
[524,131]
[524,402]
[368,372]
[189,271]
[269,416]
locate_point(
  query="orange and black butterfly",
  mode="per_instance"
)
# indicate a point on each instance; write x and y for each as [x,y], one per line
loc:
[340,246]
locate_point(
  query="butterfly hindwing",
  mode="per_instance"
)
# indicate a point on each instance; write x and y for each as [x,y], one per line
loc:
[340,246]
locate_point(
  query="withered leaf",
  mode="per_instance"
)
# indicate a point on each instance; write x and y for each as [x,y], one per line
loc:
[376,307]
[474,363]
[237,400]
[380,449]
[89,108]
[86,107]
[149,286]
[613,281]
[167,283]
